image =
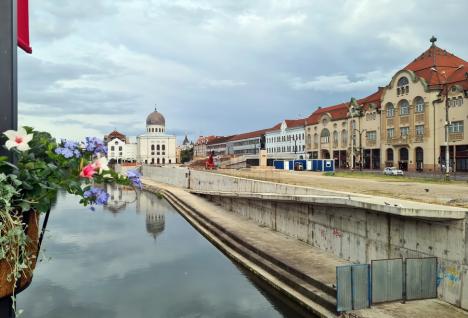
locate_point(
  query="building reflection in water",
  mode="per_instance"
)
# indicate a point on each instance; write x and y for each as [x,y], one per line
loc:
[155,210]
[119,198]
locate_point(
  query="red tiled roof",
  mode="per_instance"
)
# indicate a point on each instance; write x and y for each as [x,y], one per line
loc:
[336,112]
[219,140]
[203,140]
[447,66]
[374,98]
[248,135]
[291,123]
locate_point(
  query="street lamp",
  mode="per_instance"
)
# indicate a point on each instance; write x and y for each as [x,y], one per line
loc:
[447,121]
[360,132]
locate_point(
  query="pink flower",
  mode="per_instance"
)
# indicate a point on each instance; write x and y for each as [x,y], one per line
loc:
[88,171]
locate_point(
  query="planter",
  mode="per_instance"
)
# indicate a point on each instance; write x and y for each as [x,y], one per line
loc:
[31,226]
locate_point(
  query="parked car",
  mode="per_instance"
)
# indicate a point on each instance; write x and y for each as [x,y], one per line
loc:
[392,171]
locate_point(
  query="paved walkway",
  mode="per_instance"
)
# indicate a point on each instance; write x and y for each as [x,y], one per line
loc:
[453,194]
[309,260]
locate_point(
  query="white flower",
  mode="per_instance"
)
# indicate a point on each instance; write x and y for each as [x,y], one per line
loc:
[100,164]
[18,139]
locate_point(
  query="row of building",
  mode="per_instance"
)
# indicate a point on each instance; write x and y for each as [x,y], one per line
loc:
[402,124]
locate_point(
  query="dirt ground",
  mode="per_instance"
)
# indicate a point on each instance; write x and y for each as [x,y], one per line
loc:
[453,194]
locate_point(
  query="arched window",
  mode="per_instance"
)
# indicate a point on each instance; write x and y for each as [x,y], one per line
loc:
[390,110]
[419,104]
[460,101]
[404,107]
[325,136]
[157,161]
[344,138]
[163,147]
[389,154]
[309,139]
[158,148]
[163,160]
[152,147]
[316,139]
[335,137]
[403,86]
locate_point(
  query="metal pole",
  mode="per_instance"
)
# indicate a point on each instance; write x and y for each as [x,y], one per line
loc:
[8,88]
[447,153]
[8,94]
[352,140]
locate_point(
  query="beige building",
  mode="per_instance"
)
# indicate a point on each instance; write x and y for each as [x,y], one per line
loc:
[403,123]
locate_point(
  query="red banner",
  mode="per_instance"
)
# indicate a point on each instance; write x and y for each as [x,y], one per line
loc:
[23,25]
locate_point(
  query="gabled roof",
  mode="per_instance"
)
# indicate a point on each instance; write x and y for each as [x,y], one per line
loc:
[436,66]
[340,111]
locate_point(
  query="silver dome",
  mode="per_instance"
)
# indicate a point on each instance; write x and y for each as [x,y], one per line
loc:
[155,118]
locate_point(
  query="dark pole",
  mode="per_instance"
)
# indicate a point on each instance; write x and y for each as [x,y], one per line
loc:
[8,94]
[8,88]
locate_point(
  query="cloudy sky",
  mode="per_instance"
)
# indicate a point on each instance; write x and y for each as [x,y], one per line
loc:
[220,66]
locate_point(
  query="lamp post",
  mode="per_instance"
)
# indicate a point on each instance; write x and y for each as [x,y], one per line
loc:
[360,132]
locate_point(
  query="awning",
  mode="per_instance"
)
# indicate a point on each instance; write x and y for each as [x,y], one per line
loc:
[23,25]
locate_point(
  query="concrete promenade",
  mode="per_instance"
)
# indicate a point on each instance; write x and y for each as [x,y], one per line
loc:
[452,194]
[271,254]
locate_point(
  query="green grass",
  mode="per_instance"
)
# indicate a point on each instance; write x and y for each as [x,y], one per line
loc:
[373,176]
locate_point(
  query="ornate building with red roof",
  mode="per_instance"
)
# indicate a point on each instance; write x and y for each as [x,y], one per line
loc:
[402,124]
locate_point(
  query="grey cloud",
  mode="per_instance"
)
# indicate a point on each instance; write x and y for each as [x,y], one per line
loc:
[193,57]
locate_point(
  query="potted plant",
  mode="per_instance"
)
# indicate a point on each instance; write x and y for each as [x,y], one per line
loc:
[38,167]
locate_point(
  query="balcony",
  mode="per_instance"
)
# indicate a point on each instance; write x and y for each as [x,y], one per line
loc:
[371,143]
[398,141]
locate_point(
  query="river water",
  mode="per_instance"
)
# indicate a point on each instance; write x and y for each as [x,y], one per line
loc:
[139,258]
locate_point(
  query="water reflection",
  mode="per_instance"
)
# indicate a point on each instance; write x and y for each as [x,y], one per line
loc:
[119,198]
[106,265]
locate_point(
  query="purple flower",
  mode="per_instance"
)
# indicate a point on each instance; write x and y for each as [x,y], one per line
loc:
[69,149]
[134,176]
[96,196]
[95,145]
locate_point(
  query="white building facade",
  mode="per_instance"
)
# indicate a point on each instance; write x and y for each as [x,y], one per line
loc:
[286,140]
[155,146]
[121,151]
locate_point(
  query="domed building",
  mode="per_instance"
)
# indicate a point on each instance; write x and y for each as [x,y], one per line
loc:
[155,146]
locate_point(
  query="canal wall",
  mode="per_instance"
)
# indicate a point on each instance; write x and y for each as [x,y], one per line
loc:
[357,233]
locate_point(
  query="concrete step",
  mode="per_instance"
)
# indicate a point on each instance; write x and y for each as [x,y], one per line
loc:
[283,272]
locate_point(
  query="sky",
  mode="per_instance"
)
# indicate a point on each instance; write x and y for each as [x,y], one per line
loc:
[216,67]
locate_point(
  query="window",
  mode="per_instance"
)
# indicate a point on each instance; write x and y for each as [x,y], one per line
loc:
[325,136]
[390,110]
[158,148]
[390,133]
[316,139]
[335,137]
[112,148]
[404,131]
[372,135]
[403,86]
[456,127]
[120,148]
[163,147]
[344,137]
[420,130]
[419,102]
[404,107]
[152,147]
[460,101]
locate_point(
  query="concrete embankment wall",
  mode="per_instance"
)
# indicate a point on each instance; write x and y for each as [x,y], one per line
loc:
[354,234]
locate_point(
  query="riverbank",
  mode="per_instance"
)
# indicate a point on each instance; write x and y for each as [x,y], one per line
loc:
[283,261]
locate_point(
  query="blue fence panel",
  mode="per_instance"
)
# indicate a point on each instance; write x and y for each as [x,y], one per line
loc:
[353,287]
[421,278]
[278,164]
[329,165]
